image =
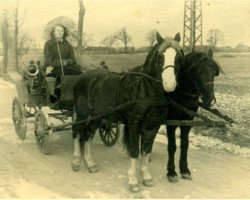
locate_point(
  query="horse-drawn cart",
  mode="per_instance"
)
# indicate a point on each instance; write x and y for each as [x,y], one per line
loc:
[35,93]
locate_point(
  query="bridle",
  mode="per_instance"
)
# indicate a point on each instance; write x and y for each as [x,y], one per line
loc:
[195,82]
[195,65]
[166,67]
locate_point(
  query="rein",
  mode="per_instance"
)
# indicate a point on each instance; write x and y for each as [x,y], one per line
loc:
[189,94]
[142,74]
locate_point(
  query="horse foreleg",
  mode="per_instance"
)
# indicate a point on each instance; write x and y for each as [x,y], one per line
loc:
[172,175]
[185,172]
[77,153]
[147,178]
[88,158]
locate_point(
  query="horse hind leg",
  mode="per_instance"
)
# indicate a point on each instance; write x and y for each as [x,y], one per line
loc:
[147,141]
[79,134]
[75,164]
[131,140]
[132,180]
[185,172]
[91,165]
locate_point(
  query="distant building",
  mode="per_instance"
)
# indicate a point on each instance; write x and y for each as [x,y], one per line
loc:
[93,49]
[226,49]
[241,48]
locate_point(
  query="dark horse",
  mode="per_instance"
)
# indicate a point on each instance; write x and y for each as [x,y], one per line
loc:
[98,91]
[195,81]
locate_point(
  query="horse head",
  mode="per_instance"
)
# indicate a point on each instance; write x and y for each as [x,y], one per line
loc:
[203,72]
[161,61]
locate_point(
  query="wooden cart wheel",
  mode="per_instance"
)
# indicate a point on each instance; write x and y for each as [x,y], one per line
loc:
[19,118]
[44,137]
[109,133]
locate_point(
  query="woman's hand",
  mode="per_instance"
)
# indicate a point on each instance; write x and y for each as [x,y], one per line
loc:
[64,62]
[67,62]
[49,69]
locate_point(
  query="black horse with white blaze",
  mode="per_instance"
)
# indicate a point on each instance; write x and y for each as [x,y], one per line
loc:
[195,81]
[98,91]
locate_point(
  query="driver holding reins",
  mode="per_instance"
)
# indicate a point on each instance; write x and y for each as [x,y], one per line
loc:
[59,54]
[59,58]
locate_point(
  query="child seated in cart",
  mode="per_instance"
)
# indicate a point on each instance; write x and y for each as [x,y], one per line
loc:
[59,57]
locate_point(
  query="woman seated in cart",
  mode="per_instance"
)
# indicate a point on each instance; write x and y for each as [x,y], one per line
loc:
[59,56]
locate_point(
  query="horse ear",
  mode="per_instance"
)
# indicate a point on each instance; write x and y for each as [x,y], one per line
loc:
[158,37]
[177,37]
[210,53]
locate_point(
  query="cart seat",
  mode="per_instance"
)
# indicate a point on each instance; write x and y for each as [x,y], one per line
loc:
[84,61]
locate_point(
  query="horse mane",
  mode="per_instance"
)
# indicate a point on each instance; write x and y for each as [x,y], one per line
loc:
[151,52]
[191,58]
[139,68]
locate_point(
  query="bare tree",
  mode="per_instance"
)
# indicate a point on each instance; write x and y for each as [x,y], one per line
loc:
[5,38]
[215,37]
[24,44]
[18,22]
[123,36]
[109,41]
[151,37]
[87,40]
[80,26]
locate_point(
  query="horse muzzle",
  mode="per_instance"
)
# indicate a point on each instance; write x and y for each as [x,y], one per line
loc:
[208,102]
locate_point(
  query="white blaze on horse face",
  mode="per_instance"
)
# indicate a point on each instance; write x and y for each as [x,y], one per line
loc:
[168,74]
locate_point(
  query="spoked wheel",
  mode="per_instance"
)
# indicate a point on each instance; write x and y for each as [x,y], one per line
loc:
[109,133]
[19,118]
[43,134]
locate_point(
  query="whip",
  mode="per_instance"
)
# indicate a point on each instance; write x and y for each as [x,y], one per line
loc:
[59,52]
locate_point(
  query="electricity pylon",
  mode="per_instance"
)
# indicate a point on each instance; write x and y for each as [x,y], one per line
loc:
[192,33]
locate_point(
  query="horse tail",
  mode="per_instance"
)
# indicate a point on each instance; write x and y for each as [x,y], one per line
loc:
[125,139]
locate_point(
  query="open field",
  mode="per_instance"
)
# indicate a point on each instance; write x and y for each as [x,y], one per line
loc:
[119,62]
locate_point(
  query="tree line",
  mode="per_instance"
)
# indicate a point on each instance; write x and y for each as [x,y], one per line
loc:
[17,42]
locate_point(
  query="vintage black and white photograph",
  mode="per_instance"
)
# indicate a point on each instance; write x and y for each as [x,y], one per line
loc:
[124,99]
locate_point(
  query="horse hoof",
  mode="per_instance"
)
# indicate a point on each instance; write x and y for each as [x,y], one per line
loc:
[173,179]
[93,169]
[186,176]
[134,188]
[148,183]
[75,167]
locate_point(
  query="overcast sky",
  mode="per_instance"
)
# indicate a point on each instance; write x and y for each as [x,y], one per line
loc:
[105,17]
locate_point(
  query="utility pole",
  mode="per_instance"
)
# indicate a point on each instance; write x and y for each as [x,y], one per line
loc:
[192,33]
